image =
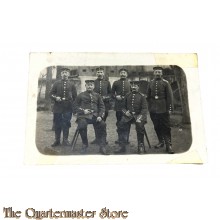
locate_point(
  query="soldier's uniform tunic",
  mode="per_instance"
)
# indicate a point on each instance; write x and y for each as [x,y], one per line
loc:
[160,102]
[93,102]
[63,110]
[136,104]
[103,88]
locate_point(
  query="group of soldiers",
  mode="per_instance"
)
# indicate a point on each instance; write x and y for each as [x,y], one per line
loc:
[131,107]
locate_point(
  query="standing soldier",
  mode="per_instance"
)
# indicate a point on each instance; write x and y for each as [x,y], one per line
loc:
[134,111]
[91,110]
[160,98]
[120,88]
[103,88]
[63,93]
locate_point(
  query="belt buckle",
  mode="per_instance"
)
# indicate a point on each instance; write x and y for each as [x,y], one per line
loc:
[156,97]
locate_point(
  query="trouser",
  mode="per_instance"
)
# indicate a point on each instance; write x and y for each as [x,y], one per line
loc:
[104,119]
[123,128]
[162,127]
[105,116]
[119,115]
[62,123]
[99,127]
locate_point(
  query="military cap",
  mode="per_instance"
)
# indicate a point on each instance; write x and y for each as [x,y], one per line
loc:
[89,81]
[65,69]
[123,69]
[99,69]
[135,83]
[157,68]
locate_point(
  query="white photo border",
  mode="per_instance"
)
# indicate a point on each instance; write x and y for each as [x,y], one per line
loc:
[189,64]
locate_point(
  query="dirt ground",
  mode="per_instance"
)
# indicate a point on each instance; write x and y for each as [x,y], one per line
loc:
[181,136]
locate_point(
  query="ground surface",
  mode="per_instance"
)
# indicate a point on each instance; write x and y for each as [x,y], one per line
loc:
[181,136]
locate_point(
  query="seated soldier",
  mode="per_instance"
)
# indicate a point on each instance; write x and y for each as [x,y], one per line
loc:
[91,110]
[135,111]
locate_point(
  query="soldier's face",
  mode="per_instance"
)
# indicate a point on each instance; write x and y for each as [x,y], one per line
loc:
[158,74]
[65,74]
[89,87]
[100,74]
[134,88]
[123,74]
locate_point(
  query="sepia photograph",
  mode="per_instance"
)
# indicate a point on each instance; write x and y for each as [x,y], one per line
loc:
[112,109]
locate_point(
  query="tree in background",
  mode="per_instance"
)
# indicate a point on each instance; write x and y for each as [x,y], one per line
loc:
[182,86]
[48,87]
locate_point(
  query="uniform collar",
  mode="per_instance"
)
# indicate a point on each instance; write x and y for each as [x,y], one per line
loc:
[158,79]
[100,79]
[90,92]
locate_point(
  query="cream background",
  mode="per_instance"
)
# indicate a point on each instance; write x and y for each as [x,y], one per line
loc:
[147,191]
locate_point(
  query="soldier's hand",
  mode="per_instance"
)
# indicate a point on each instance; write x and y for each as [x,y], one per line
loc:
[105,98]
[128,114]
[87,111]
[118,97]
[58,99]
[99,119]
[138,121]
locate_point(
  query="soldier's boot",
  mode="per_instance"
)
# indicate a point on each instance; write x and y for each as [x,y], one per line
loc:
[126,136]
[118,142]
[141,148]
[101,142]
[55,143]
[84,148]
[169,148]
[122,134]
[160,144]
[95,140]
[103,150]
[122,149]
[57,138]
[65,137]
[83,134]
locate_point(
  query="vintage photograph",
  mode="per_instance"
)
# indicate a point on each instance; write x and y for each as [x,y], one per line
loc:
[112,110]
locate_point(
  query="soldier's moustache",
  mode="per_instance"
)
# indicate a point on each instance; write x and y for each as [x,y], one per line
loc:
[134,89]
